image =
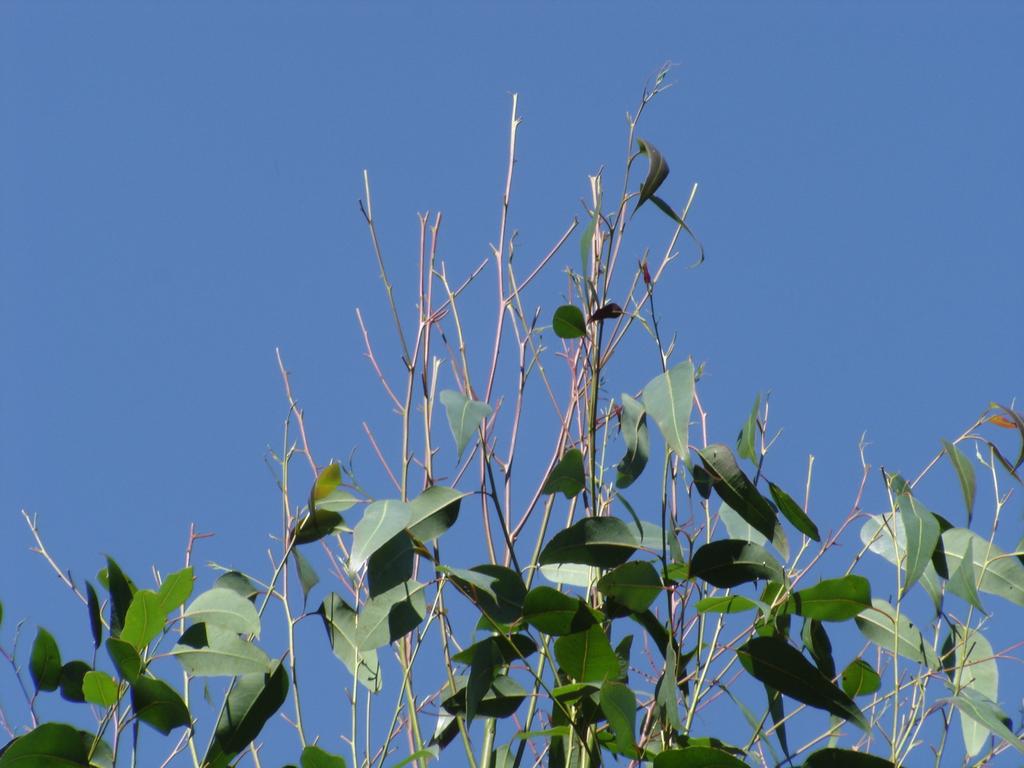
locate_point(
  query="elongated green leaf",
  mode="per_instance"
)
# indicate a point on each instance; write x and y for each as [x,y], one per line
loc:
[50,744]
[860,678]
[587,656]
[390,616]
[571,574]
[464,417]
[604,542]
[775,662]
[877,535]
[327,481]
[498,592]
[208,650]
[487,659]
[433,512]
[144,620]
[381,521]
[995,571]
[555,613]
[971,664]
[987,714]
[618,703]
[962,581]
[252,701]
[95,620]
[725,604]
[730,562]
[633,425]
[832,599]
[817,643]
[44,664]
[175,590]
[922,535]
[223,607]
[657,171]
[501,700]
[738,528]
[125,657]
[308,577]
[100,689]
[832,757]
[668,399]
[340,622]
[666,692]
[736,490]
[314,757]
[158,705]
[880,626]
[793,512]
[634,586]
[697,757]
[509,648]
[568,322]
[318,524]
[746,442]
[390,565]
[121,590]
[71,676]
[567,477]
[965,474]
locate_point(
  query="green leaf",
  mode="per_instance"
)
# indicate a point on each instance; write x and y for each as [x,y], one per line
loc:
[44,664]
[879,625]
[567,477]
[815,640]
[618,703]
[697,757]
[125,657]
[501,700]
[775,662]
[634,585]
[327,481]
[568,322]
[390,565]
[995,571]
[340,622]
[860,678]
[390,616]
[328,498]
[316,525]
[95,620]
[420,754]
[175,590]
[736,490]
[633,425]
[252,701]
[158,705]
[71,676]
[556,613]
[571,574]
[314,757]
[121,590]
[238,583]
[208,650]
[668,399]
[987,714]
[657,171]
[964,473]
[381,521]
[731,562]
[725,604]
[433,512]
[587,656]
[100,689]
[308,577]
[738,528]
[832,757]
[971,664]
[144,620]
[223,607]
[47,746]
[922,535]
[877,535]
[962,581]
[604,542]
[793,512]
[464,417]
[666,691]
[498,592]
[509,649]
[832,599]
[487,659]
[746,445]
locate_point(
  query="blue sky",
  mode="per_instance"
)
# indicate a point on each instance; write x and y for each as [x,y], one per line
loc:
[178,190]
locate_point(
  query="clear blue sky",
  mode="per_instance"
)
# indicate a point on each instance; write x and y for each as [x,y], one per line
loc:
[178,189]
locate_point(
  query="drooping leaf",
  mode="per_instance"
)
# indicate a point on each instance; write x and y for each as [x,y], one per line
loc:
[390,565]
[381,521]
[965,474]
[634,586]
[738,528]
[315,757]
[971,664]
[100,689]
[668,398]
[125,658]
[498,592]
[209,650]
[144,620]
[736,490]
[618,703]
[121,590]
[877,534]
[556,613]
[44,663]
[316,525]
[922,535]
[252,701]
[571,574]
[832,599]
[608,311]
[308,577]
[340,621]
[587,656]
[987,714]
[817,643]
[501,700]
[697,757]
[390,616]
[95,620]
[238,583]
[327,481]
[175,590]
[962,580]
[860,678]
[633,425]
[568,322]
[793,513]
[433,512]
[567,477]
[509,649]
[1015,421]
[464,417]
[833,757]
[657,171]
[726,604]
[746,442]
[223,607]
[730,562]
[49,744]
[995,571]
[880,626]
[71,676]
[604,542]
[775,662]
[158,705]
[666,692]
[486,662]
